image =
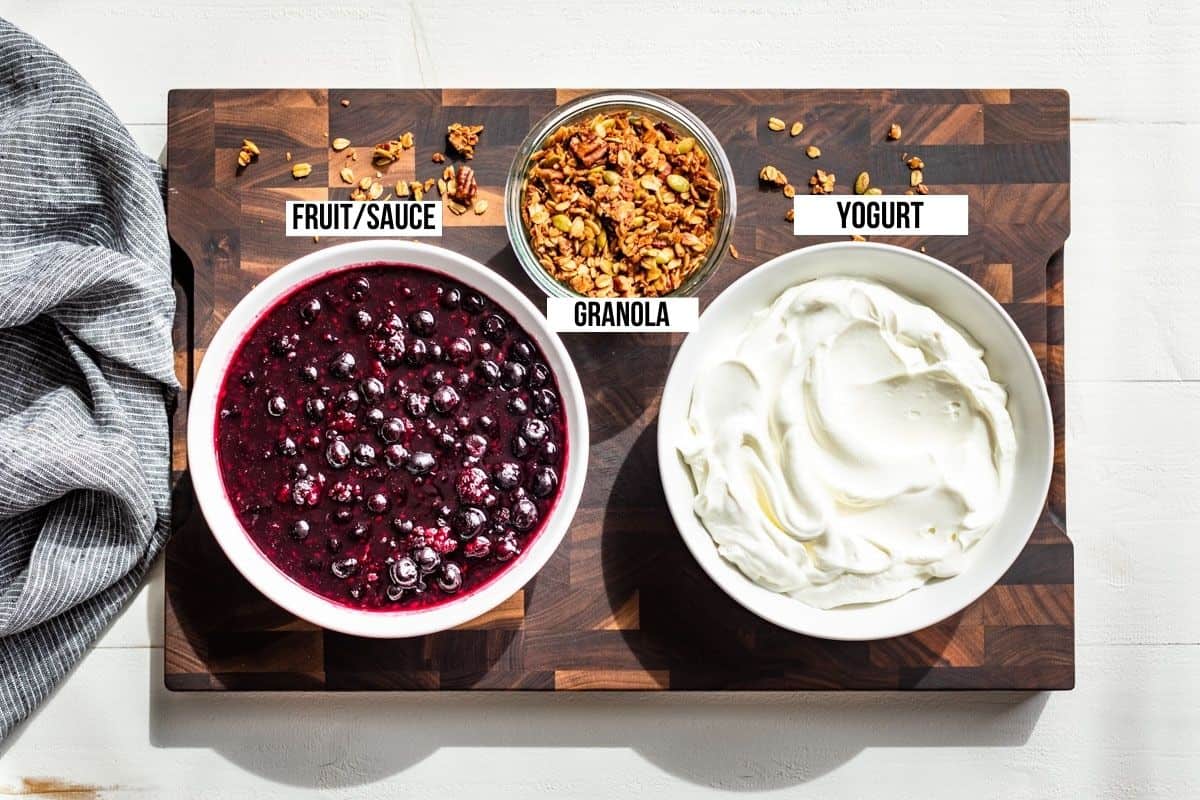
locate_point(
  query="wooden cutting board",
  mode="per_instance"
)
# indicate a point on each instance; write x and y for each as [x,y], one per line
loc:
[622,604]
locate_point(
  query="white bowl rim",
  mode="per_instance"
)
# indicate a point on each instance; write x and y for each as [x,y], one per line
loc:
[254,565]
[833,623]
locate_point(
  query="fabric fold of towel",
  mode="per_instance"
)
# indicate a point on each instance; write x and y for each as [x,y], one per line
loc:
[86,369]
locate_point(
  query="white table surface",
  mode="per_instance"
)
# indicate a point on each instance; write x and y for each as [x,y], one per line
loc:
[1130,729]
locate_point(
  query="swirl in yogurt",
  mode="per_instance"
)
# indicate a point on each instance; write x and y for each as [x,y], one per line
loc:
[854,447]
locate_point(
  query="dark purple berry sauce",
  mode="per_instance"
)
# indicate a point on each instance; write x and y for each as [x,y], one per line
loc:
[390,438]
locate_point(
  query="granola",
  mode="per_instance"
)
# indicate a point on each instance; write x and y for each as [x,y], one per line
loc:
[385,153]
[620,205]
[463,138]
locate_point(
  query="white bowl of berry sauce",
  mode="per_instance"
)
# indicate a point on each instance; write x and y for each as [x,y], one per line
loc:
[386,439]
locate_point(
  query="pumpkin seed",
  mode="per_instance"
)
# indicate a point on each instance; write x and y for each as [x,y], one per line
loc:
[678,183]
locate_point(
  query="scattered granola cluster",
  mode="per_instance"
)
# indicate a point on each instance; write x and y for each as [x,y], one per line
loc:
[620,205]
[916,175]
[823,182]
[463,138]
[456,188]
[248,153]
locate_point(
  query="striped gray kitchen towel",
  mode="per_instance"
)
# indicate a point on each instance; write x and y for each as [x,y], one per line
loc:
[85,369]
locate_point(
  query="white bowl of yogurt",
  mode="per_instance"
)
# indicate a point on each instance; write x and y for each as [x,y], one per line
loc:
[856,442]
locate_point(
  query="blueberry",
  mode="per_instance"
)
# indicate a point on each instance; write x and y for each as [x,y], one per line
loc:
[310,309]
[427,559]
[404,573]
[343,365]
[402,526]
[468,522]
[474,303]
[395,455]
[277,406]
[517,406]
[364,454]
[344,568]
[507,548]
[513,374]
[495,328]
[450,581]
[538,375]
[393,592]
[478,547]
[459,351]
[378,503]
[445,400]
[348,400]
[487,372]
[372,390]
[447,441]
[420,463]
[434,378]
[333,544]
[309,373]
[391,430]
[422,322]
[545,401]
[417,353]
[534,430]
[506,476]
[524,514]
[343,515]
[451,298]
[299,530]
[417,405]
[286,447]
[337,454]
[544,482]
[485,423]
[314,409]
[362,320]
[360,531]
[520,447]
[374,417]
[522,351]
[549,450]
[358,289]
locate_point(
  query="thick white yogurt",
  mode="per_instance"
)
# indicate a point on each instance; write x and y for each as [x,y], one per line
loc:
[854,448]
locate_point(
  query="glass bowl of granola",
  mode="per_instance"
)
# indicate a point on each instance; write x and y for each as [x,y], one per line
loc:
[623,194]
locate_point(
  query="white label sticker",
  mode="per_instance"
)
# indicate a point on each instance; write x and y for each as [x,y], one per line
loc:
[621,315]
[928,215]
[363,218]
